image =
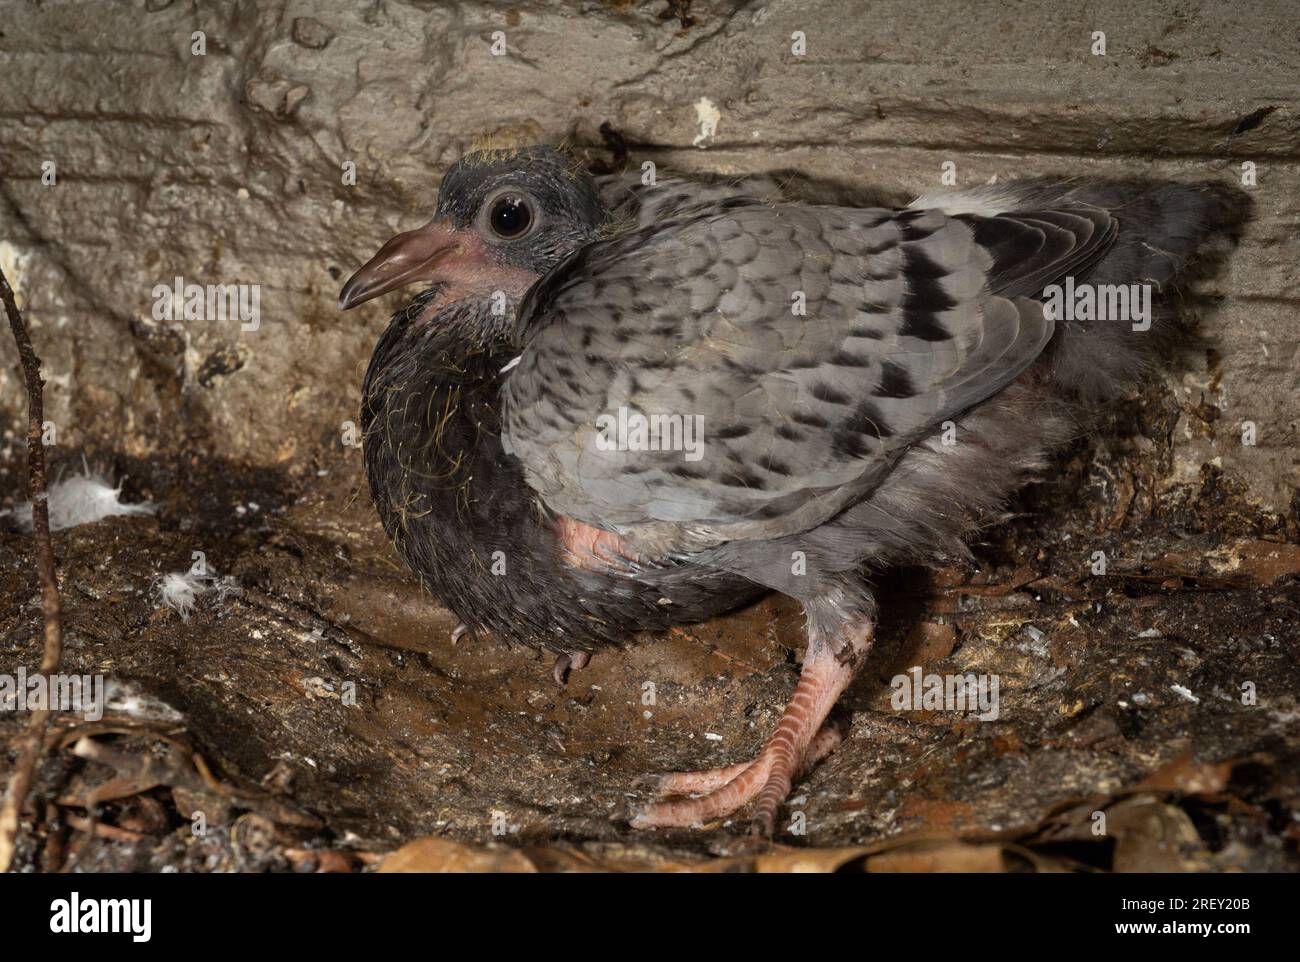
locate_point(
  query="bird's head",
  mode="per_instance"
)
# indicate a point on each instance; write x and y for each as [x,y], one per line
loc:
[504,219]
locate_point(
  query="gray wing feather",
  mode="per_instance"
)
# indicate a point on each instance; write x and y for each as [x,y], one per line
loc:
[909,318]
[631,201]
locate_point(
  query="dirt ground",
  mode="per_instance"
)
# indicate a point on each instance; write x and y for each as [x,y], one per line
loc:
[322,718]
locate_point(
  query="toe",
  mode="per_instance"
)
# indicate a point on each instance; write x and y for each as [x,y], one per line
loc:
[722,801]
[694,783]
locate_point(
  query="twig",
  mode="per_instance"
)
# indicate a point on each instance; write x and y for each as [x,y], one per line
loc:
[31,743]
[91,827]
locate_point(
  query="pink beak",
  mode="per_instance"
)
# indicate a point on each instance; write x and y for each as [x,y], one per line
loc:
[410,256]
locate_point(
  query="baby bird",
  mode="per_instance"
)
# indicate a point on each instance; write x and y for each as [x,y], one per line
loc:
[617,407]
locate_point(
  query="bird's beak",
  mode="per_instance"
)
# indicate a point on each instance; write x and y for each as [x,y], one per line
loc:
[411,256]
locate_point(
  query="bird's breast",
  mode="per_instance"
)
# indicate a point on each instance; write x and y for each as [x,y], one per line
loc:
[461,514]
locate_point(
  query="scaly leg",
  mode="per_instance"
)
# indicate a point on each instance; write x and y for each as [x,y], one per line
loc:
[827,670]
[707,780]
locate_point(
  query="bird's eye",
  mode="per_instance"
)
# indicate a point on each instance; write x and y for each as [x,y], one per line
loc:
[510,217]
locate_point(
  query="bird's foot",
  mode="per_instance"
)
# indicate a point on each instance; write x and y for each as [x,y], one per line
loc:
[459,632]
[797,744]
[709,780]
[569,661]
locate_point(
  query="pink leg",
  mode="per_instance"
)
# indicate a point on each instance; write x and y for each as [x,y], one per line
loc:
[709,779]
[767,779]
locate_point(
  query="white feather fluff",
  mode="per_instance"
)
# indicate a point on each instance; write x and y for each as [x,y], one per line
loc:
[82,499]
[985,200]
[181,590]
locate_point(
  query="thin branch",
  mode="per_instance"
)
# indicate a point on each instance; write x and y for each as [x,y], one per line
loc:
[31,743]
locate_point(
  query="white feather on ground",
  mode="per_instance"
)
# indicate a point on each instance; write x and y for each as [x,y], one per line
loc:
[82,499]
[181,590]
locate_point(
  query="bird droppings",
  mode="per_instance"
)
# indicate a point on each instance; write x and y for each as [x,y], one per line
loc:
[126,697]
[707,118]
[14,261]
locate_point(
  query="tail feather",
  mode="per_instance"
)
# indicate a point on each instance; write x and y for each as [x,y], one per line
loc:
[1167,234]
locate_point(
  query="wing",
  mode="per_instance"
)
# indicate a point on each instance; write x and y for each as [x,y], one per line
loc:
[635,204]
[747,370]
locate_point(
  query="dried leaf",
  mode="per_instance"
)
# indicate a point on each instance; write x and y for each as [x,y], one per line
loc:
[1188,777]
[440,855]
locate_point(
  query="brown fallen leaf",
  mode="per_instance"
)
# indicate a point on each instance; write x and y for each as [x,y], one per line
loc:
[1154,836]
[322,861]
[947,858]
[913,852]
[440,856]
[1188,777]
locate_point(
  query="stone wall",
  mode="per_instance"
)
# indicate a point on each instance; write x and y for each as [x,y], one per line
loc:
[228,167]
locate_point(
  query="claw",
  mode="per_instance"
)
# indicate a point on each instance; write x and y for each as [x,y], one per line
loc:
[567,661]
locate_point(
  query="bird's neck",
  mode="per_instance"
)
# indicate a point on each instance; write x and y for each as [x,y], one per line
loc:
[433,385]
[440,315]
[430,417]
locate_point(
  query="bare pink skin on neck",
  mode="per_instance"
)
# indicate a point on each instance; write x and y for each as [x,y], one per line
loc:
[472,274]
